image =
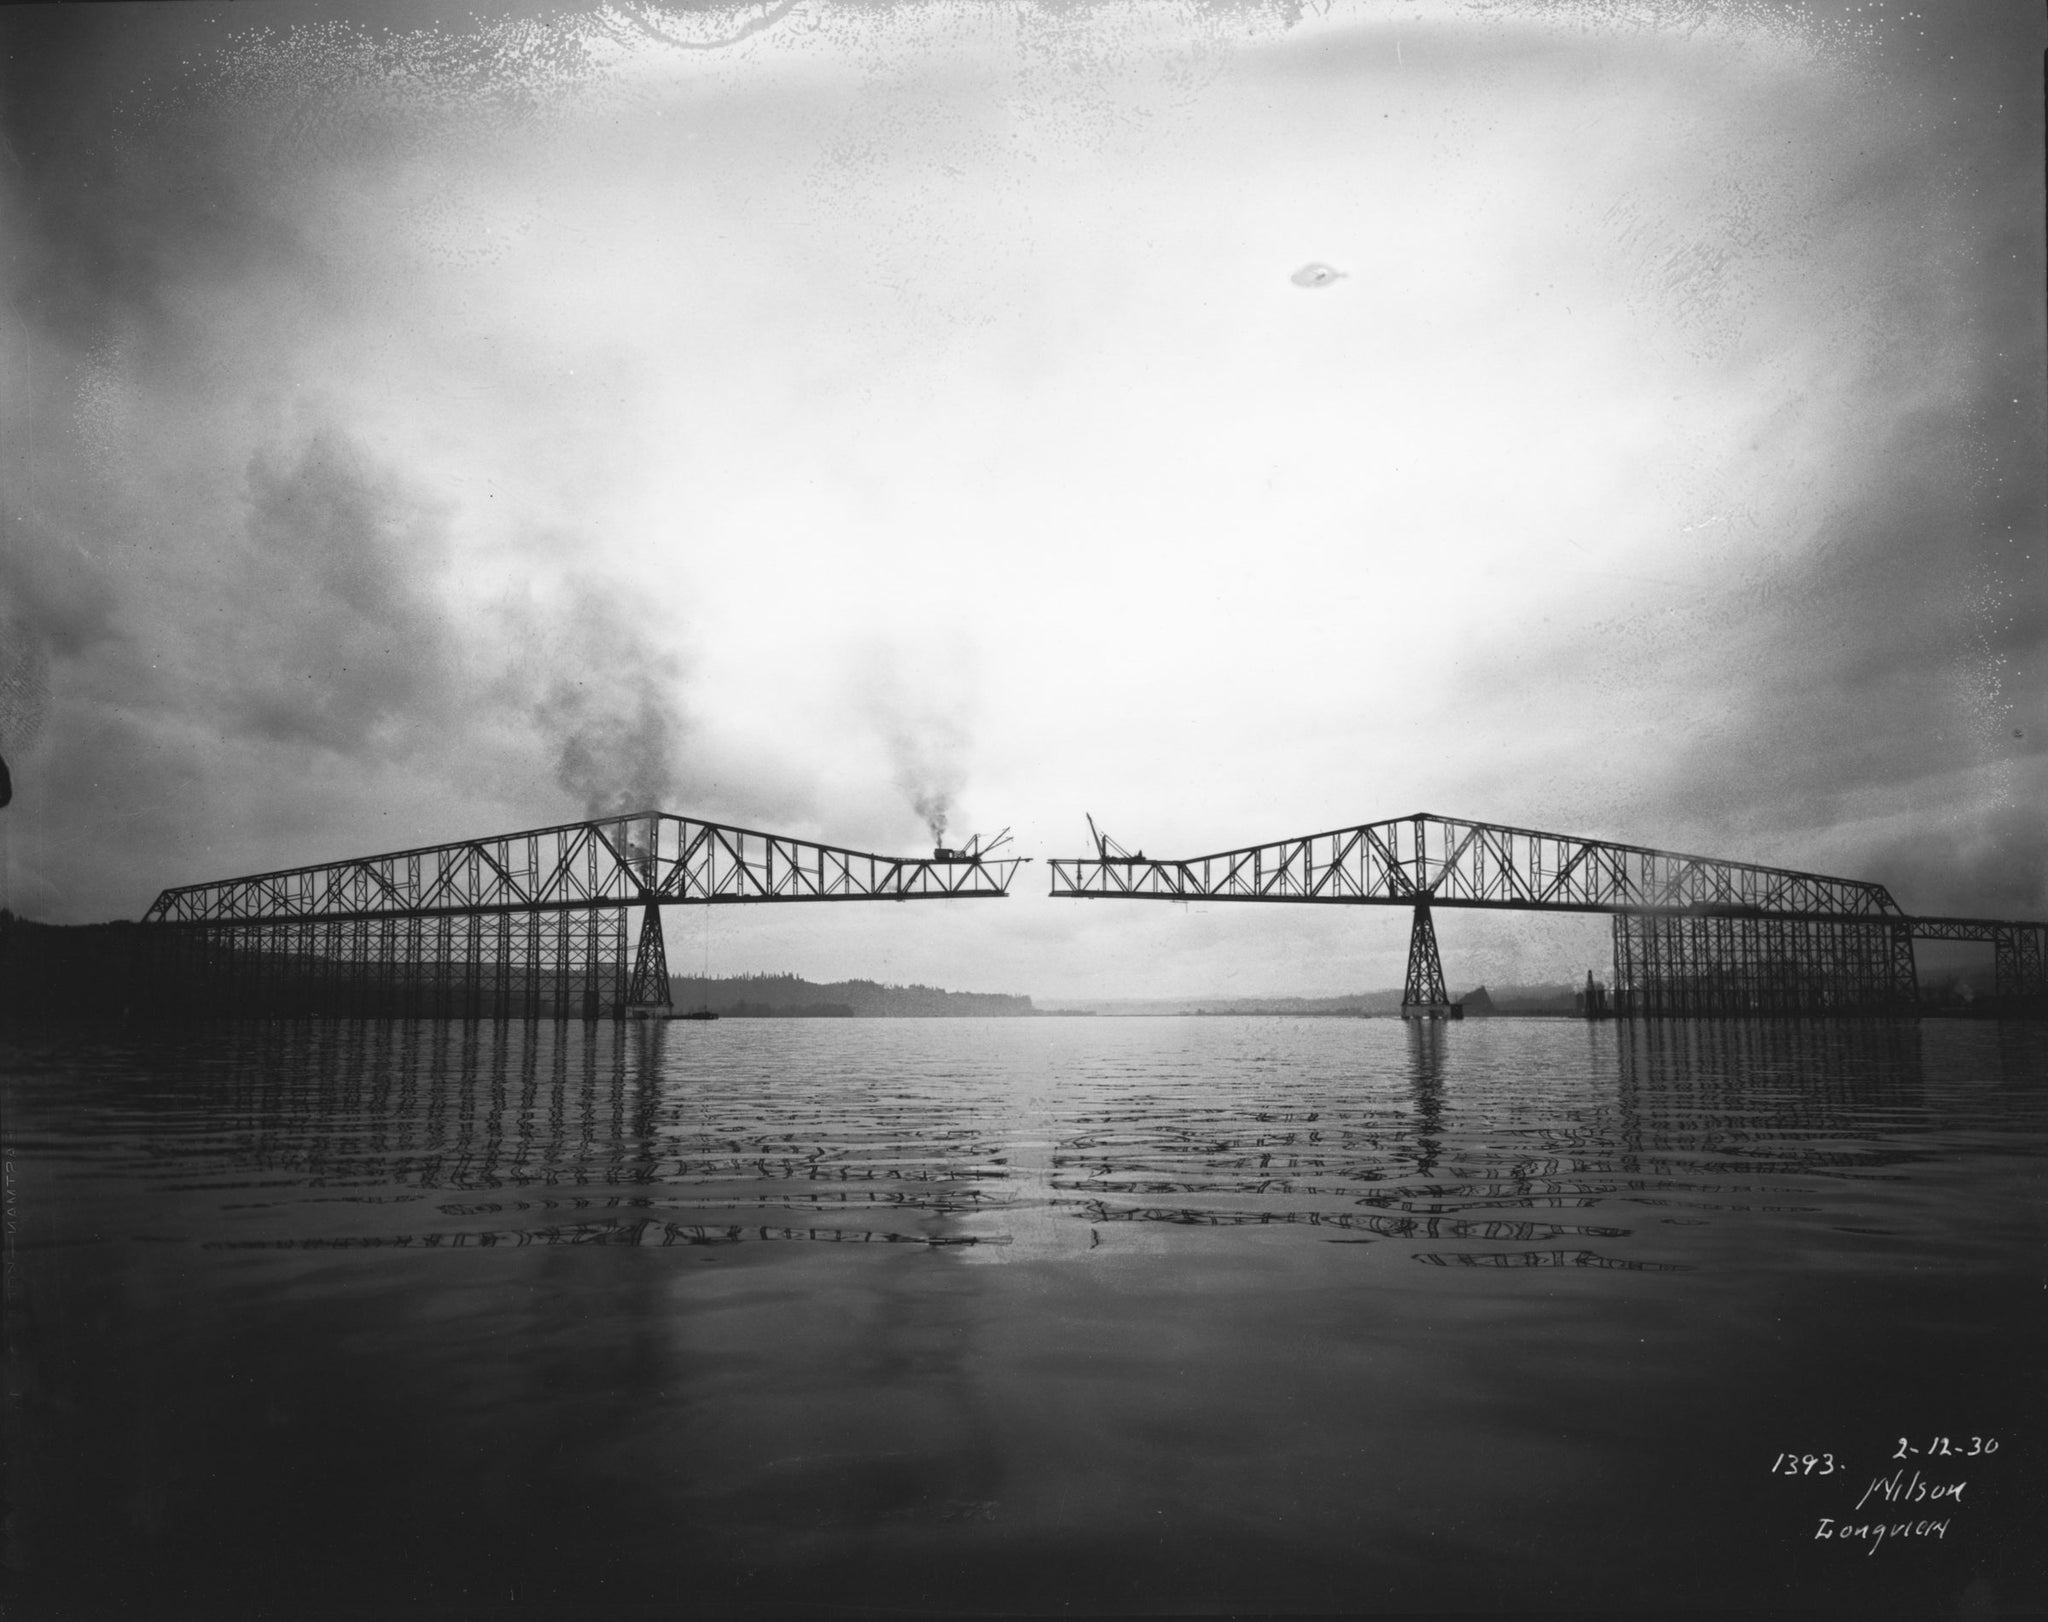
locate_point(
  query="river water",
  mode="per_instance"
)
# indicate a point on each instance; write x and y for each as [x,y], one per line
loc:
[1056,1315]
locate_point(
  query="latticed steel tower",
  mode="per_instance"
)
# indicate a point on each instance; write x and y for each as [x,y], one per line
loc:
[1424,996]
[648,990]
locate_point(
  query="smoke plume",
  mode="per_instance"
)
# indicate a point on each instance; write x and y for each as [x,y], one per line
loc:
[922,717]
[931,788]
[926,753]
[607,708]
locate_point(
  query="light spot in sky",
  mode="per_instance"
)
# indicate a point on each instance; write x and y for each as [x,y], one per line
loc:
[1314,274]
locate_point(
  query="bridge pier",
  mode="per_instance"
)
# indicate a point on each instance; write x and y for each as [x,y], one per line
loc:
[1423,995]
[2020,955]
[647,994]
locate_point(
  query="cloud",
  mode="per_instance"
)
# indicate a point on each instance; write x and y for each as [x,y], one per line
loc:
[24,687]
[57,593]
[1852,638]
[1987,860]
[338,640]
[346,639]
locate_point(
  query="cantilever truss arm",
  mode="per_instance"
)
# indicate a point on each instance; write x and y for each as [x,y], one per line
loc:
[608,862]
[1451,863]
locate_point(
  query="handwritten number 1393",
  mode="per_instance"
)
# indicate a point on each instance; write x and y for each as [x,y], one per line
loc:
[1804,1464]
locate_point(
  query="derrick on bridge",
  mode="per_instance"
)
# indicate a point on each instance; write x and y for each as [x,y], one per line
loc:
[529,923]
[1692,934]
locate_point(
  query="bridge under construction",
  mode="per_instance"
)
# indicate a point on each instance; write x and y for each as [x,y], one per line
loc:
[1693,935]
[537,923]
[531,923]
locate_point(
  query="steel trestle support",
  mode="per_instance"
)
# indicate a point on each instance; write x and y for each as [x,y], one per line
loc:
[649,990]
[1423,995]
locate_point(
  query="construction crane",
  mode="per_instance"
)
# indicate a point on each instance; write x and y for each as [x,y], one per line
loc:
[975,850]
[1106,848]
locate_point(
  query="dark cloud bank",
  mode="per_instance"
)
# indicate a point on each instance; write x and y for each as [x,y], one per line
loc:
[203,644]
[367,661]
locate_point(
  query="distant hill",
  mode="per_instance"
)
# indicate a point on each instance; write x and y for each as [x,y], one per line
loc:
[788,996]
[1479,1003]
[1536,999]
[1369,1002]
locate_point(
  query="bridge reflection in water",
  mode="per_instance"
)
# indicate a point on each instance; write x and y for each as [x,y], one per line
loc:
[1283,1299]
[547,1132]
[615,1132]
[1664,1100]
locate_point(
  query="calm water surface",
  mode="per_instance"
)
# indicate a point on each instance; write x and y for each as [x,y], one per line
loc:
[1053,1315]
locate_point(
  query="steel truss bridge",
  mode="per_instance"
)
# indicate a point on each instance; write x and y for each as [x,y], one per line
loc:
[522,923]
[1692,934]
[536,923]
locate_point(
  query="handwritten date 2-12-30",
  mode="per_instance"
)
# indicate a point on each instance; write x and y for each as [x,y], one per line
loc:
[1944,1447]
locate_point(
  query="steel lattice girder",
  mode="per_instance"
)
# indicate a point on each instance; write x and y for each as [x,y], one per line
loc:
[604,863]
[2020,949]
[1450,863]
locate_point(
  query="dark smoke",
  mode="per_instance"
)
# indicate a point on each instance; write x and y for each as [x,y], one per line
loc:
[607,709]
[935,805]
[927,750]
[920,705]
[922,715]
[369,661]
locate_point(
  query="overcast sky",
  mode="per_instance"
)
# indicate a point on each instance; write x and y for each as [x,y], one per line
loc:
[422,423]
